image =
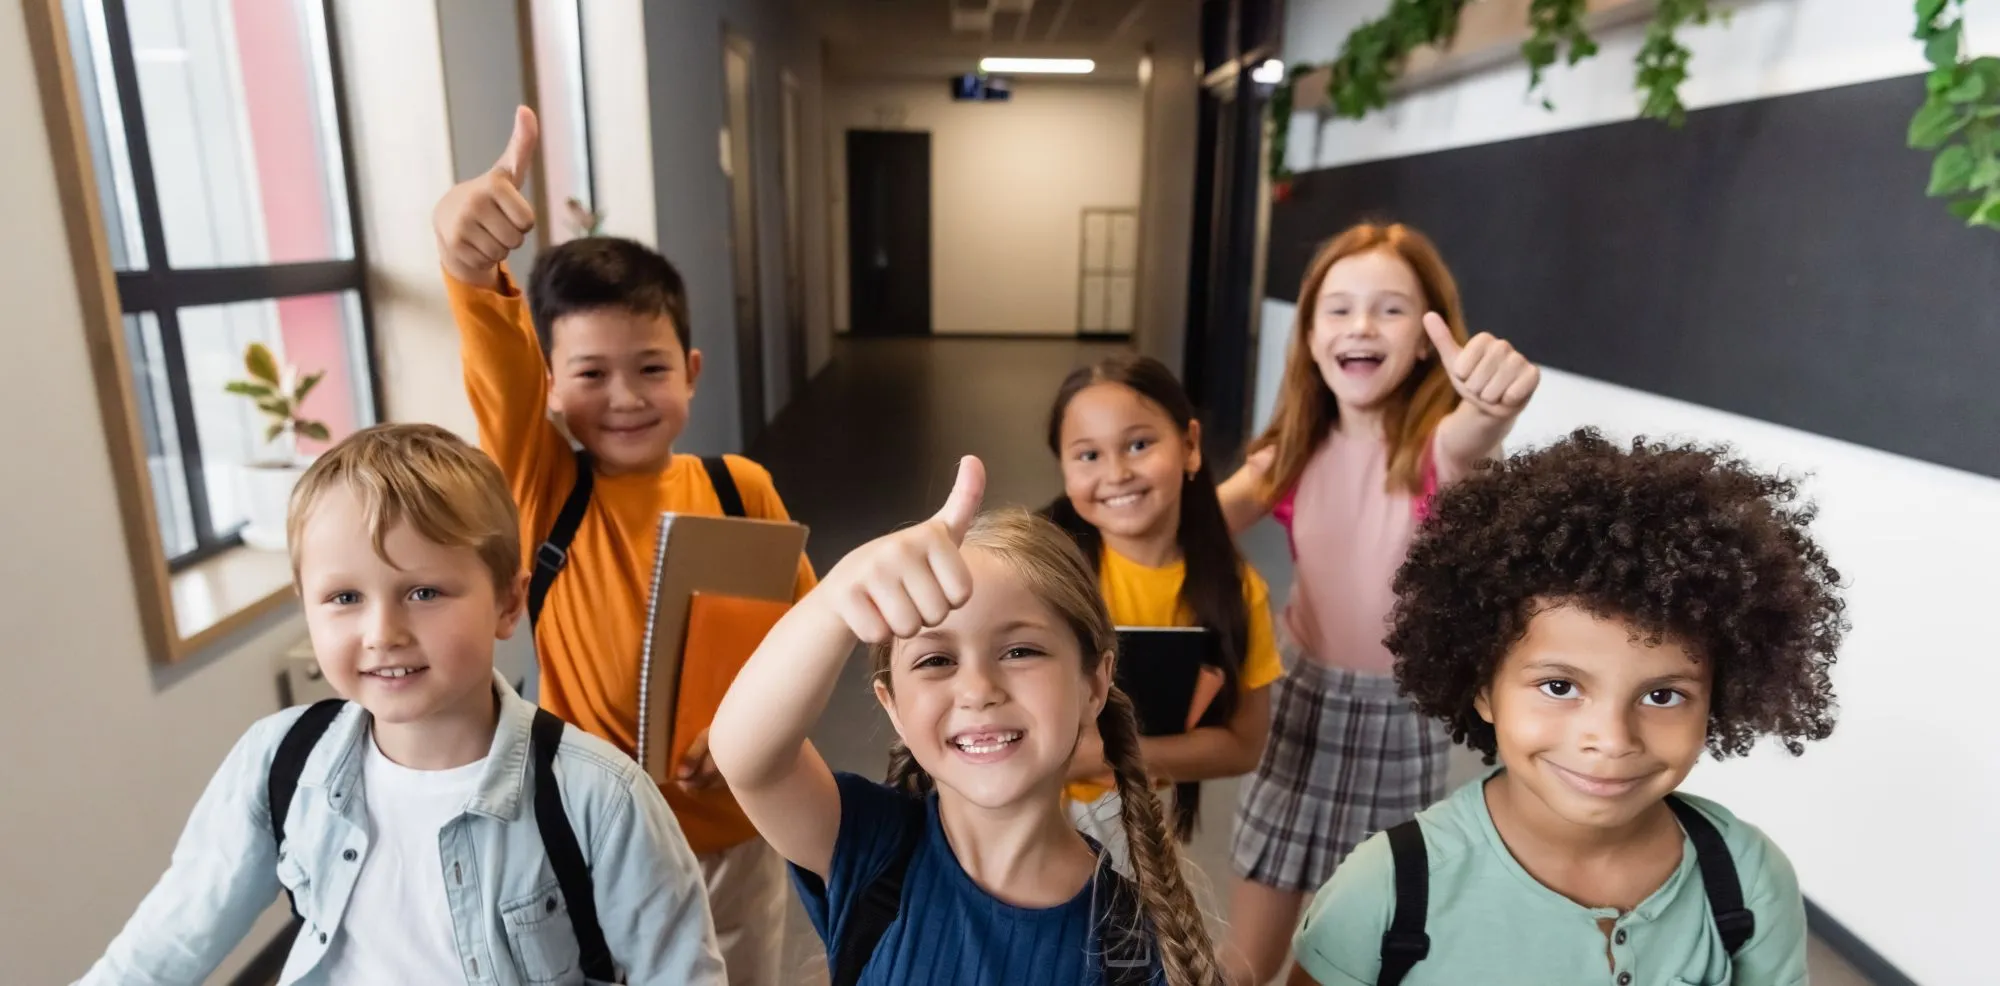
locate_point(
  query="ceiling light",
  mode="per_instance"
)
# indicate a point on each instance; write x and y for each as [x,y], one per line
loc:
[1022,66]
[1270,73]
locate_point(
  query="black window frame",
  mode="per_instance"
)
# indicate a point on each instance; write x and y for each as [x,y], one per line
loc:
[161,290]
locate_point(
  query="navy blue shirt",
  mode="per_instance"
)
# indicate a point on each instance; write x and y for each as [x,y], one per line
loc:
[948,931]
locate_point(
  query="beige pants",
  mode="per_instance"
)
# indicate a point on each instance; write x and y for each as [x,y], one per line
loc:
[746,893]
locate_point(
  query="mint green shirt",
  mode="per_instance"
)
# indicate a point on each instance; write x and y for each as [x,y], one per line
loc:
[1493,924]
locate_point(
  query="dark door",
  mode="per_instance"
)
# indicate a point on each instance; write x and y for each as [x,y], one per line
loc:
[889,232]
[1222,275]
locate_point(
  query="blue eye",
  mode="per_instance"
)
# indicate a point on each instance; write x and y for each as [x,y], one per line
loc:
[1558,688]
[424,594]
[344,598]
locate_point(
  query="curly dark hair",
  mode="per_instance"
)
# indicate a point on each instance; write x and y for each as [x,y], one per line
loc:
[1683,542]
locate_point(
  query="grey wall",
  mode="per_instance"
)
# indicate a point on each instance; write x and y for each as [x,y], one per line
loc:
[483,83]
[685,83]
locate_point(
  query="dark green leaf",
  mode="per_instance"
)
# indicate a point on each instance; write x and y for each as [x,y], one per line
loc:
[1951,173]
[1927,10]
[1988,68]
[1934,124]
[261,363]
[1942,49]
[1969,88]
[1989,212]
[248,389]
[276,407]
[1940,80]
[1964,208]
[312,379]
[313,430]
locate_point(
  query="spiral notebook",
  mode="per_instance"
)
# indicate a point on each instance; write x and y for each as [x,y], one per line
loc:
[718,558]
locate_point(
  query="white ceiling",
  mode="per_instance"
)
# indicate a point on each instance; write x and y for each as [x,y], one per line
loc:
[916,38]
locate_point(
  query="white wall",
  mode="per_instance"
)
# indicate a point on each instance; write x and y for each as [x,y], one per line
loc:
[1009,182]
[1890,821]
[109,755]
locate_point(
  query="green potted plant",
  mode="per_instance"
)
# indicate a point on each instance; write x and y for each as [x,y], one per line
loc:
[269,476]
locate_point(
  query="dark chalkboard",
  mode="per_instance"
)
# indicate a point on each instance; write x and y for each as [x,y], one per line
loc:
[1775,258]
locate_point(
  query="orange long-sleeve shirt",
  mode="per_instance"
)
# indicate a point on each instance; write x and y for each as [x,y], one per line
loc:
[591,634]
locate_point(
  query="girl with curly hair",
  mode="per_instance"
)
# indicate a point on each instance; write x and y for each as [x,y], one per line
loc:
[1592,617]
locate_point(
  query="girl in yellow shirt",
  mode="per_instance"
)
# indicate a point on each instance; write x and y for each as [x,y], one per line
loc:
[1139,499]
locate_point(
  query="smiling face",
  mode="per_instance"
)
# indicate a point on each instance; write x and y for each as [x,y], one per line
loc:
[991,703]
[1124,462]
[406,632]
[622,383]
[1367,332]
[1592,724]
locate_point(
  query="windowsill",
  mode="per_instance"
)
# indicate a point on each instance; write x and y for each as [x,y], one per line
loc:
[216,595]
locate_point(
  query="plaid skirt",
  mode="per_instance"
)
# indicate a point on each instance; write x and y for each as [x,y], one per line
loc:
[1348,757]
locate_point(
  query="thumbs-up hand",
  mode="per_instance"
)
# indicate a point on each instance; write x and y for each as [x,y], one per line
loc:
[483,219]
[1488,373]
[900,584]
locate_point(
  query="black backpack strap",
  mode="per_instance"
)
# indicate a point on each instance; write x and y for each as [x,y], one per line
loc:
[725,485]
[875,910]
[1126,943]
[553,554]
[559,841]
[290,761]
[1718,873]
[1405,944]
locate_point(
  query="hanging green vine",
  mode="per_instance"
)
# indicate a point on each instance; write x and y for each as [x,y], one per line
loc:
[1958,118]
[1555,26]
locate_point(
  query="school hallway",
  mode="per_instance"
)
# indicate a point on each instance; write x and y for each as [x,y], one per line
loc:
[873,444]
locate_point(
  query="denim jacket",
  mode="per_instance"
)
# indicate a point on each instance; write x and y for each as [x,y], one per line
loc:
[506,909]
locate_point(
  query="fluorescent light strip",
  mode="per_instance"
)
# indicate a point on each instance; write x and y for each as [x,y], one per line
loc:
[1050,66]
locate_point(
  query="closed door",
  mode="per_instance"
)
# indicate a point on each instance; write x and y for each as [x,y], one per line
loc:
[889,232]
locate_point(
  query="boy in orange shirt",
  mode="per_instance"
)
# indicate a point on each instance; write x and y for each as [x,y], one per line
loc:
[603,350]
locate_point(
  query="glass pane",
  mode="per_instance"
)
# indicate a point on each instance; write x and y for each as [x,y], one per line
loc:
[238,103]
[105,125]
[308,334]
[165,467]
[560,106]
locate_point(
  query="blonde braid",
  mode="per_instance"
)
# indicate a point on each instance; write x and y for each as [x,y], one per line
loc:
[1186,953]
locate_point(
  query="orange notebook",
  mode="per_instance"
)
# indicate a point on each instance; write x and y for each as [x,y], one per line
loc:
[711,568]
[722,633]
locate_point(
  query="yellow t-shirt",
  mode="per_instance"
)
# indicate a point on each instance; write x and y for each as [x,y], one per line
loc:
[1142,596]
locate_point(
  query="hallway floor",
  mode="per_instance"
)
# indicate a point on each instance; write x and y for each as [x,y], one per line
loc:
[873,444]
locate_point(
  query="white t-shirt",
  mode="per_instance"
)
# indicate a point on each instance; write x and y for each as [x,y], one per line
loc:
[397,928]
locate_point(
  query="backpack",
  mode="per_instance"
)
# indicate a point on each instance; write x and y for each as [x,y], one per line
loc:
[558,839]
[552,555]
[1128,959]
[1405,944]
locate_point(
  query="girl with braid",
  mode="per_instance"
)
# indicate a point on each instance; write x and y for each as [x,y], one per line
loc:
[993,656]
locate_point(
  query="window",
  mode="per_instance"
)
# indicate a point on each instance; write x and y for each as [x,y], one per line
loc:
[562,102]
[215,131]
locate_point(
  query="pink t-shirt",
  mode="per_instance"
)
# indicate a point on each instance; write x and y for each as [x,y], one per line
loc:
[1349,535]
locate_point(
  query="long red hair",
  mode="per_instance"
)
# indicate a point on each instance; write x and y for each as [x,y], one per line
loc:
[1306,409]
